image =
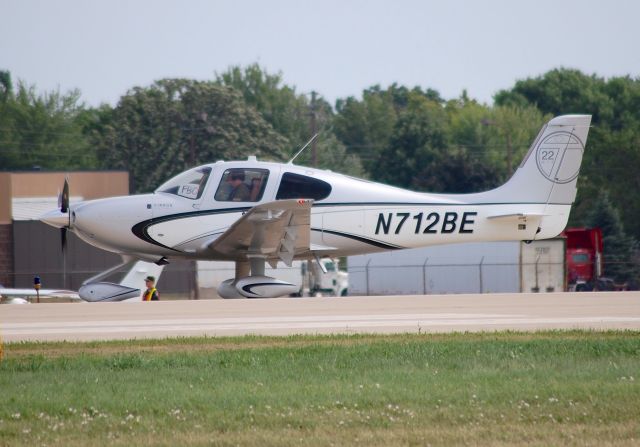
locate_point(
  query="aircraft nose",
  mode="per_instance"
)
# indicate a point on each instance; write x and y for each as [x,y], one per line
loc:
[55,218]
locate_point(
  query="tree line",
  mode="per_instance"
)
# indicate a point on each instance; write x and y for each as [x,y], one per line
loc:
[410,137]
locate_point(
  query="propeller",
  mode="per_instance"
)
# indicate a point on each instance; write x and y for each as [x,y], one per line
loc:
[63,238]
[63,201]
[64,197]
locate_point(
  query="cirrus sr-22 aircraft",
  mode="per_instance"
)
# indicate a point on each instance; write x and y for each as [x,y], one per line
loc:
[253,212]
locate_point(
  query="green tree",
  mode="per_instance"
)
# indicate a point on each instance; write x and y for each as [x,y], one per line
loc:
[620,250]
[42,129]
[613,147]
[291,114]
[413,138]
[6,86]
[417,145]
[561,91]
[366,126]
[161,130]
[278,103]
[496,137]
[333,155]
[458,172]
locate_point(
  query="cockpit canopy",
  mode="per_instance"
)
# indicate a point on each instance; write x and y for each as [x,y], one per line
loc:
[240,184]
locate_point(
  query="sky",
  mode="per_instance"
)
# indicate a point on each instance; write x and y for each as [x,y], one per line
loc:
[337,48]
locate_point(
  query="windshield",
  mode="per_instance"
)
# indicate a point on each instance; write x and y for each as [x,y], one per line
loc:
[330,266]
[580,258]
[189,184]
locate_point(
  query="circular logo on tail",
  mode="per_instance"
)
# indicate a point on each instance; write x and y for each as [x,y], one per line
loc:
[558,157]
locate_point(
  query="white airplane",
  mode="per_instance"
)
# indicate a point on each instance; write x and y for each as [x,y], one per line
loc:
[254,212]
[127,289]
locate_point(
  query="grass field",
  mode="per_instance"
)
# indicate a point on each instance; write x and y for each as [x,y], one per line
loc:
[551,388]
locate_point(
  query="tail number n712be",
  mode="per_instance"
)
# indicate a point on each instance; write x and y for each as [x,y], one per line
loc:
[426,223]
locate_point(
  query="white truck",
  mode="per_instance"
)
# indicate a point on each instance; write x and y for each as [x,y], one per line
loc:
[334,282]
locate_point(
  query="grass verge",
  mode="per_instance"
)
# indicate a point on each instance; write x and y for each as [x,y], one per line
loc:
[548,388]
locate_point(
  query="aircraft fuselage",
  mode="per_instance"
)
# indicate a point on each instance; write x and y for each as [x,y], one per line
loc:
[166,225]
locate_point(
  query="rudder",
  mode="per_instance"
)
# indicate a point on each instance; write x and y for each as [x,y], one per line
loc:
[549,172]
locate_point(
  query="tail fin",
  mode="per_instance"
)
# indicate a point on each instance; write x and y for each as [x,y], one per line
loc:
[134,278]
[543,188]
[549,172]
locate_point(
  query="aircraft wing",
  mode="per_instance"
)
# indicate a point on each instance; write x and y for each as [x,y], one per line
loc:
[279,229]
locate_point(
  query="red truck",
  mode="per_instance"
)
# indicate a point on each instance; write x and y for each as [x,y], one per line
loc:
[584,260]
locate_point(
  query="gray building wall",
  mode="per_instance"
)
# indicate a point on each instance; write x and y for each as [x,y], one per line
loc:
[37,251]
[6,255]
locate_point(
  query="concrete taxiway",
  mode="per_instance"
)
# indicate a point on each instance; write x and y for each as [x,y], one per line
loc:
[284,316]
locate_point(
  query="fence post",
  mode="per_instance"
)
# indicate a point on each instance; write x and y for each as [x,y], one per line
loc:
[193,281]
[537,287]
[367,274]
[424,276]
[480,270]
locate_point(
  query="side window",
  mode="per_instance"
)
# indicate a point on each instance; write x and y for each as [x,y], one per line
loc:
[296,186]
[242,185]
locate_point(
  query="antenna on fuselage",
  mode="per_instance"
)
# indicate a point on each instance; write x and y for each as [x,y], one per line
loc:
[303,148]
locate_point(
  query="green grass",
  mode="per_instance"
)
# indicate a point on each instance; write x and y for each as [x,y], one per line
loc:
[551,388]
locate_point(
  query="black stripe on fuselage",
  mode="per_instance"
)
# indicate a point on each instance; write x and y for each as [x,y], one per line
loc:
[328,204]
[365,240]
[140,229]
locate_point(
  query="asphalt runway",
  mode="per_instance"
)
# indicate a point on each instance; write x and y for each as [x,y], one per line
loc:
[285,316]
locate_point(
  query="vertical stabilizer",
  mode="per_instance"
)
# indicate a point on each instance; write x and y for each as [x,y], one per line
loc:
[134,278]
[549,172]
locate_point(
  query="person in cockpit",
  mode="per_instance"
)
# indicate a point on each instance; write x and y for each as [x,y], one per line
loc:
[240,191]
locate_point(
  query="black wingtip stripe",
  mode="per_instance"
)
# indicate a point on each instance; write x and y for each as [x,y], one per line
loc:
[247,287]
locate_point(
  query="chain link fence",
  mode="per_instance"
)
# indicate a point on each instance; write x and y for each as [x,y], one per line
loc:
[425,278]
[449,278]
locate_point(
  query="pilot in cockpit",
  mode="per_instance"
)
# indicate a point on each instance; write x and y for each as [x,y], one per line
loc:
[240,191]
